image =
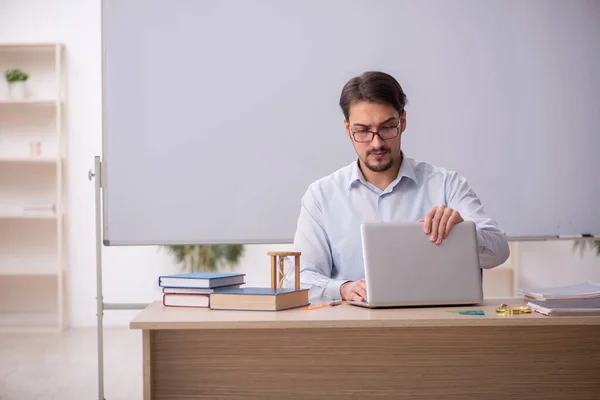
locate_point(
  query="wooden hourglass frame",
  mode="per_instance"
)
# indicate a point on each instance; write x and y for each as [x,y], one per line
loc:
[277,267]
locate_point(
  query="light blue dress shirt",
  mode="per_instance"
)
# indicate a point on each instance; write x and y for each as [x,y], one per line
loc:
[334,207]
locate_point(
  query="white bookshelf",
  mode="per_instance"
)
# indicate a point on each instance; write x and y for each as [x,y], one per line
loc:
[33,141]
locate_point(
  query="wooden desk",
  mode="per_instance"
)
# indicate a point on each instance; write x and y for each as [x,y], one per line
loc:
[349,352]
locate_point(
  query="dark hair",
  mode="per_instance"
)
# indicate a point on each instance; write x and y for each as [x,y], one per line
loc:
[374,86]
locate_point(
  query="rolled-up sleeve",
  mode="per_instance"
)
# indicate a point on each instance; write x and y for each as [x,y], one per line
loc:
[491,240]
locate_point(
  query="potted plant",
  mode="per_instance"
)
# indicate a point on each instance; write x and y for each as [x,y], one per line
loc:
[16,79]
[209,258]
[587,243]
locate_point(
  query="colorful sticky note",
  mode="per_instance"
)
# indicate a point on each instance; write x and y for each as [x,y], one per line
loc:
[468,312]
[472,312]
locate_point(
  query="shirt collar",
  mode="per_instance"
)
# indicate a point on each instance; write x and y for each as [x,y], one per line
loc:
[355,175]
[406,169]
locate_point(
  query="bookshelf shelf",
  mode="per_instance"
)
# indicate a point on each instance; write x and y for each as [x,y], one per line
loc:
[38,160]
[28,216]
[30,272]
[32,190]
[21,47]
[41,102]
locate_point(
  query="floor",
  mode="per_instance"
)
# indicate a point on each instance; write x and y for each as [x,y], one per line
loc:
[64,366]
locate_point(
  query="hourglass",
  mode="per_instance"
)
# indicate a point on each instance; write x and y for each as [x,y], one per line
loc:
[277,267]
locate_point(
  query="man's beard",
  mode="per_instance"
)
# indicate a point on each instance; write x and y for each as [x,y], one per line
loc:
[379,167]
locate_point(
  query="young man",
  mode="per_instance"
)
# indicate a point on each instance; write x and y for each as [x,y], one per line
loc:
[383,185]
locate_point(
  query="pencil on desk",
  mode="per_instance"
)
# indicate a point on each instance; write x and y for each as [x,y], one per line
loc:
[330,304]
[307,308]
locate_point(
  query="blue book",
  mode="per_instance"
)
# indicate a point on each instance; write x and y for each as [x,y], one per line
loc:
[258,299]
[201,280]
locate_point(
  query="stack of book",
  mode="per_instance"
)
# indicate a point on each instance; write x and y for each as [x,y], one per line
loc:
[193,289]
[581,299]
[224,291]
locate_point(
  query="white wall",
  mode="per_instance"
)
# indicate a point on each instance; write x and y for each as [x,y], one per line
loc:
[555,263]
[130,273]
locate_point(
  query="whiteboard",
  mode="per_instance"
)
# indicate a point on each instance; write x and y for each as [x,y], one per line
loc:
[218,114]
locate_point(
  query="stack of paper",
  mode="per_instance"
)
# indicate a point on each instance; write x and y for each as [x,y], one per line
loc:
[588,290]
[581,299]
[566,307]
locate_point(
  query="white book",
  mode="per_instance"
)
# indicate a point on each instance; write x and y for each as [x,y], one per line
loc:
[186,300]
[183,290]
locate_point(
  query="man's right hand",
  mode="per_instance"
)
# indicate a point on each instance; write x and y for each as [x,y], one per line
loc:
[354,291]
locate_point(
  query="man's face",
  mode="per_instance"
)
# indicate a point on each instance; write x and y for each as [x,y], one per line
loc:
[378,155]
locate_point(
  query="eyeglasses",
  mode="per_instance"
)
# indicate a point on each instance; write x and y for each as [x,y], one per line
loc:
[385,133]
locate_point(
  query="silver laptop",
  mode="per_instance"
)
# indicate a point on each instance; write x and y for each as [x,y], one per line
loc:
[404,268]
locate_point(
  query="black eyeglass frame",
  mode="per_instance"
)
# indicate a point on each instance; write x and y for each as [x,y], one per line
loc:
[373,133]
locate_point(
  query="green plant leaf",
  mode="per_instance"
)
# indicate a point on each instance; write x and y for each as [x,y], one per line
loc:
[15,75]
[196,258]
[588,244]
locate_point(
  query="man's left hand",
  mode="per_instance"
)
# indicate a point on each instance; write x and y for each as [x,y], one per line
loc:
[439,222]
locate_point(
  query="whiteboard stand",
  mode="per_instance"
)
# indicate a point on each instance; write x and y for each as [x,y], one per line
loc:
[100,304]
